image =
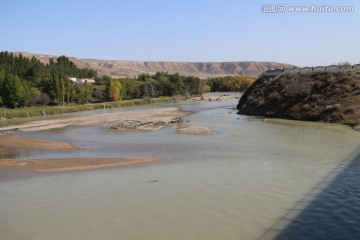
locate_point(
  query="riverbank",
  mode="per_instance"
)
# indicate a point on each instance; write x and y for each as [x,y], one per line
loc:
[52,110]
[138,120]
[51,165]
[26,112]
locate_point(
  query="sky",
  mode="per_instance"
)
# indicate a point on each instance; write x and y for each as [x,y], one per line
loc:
[182,30]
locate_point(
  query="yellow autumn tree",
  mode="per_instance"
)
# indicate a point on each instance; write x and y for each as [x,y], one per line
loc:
[240,83]
[113,88]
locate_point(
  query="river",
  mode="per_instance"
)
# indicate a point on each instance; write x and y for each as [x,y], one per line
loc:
[234,184]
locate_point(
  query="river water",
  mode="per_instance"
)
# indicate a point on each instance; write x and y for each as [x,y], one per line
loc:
[234,184]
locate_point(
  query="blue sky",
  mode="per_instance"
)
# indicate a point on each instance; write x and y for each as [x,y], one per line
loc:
[181,30]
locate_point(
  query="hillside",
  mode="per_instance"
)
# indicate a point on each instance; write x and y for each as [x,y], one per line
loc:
[317,96]
[120,68]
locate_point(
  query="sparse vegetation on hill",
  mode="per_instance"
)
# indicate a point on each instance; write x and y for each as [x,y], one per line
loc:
[316,96]
[123,68]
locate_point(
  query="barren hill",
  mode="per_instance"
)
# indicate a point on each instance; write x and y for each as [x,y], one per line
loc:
[317,96]
[121,68]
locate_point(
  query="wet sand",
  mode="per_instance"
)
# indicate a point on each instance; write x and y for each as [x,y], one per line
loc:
[195,130]
[12,140]
[50,165]
[165,115]
[138,120]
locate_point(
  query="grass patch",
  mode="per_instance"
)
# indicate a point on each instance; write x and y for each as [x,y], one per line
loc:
[51,110]
[352,123]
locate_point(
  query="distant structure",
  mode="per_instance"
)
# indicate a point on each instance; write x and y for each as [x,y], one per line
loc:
[357,66]
[82,80]
[306,69]
[332,68]
[73,79]
[276,72]
[319,69]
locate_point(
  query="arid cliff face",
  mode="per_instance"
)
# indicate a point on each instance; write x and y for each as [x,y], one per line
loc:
[317,96]
[120,68]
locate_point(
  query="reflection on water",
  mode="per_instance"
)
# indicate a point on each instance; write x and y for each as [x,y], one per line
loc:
[334,214]
[231,185]
[9,153]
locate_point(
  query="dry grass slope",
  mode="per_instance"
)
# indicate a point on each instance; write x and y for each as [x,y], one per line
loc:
[120,68]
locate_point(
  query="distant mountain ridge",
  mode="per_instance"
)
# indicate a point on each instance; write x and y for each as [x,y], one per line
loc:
[122,68]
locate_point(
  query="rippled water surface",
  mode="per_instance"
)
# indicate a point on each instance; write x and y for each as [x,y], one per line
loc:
[234,184]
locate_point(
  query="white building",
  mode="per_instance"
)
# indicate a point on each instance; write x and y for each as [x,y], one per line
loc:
[82,80]
[86,81]
[73,79]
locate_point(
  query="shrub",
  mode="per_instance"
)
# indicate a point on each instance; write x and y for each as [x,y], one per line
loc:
[297,88]
[275,95]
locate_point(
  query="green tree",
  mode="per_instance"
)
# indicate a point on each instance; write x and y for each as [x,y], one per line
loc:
[35,96]
[82,93]
[2,77]
[192,86]
[130,88]
[15,92]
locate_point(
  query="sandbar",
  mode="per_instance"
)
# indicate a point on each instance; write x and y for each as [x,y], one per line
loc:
[51,165]
[195,130]
[12,140]
[144,117]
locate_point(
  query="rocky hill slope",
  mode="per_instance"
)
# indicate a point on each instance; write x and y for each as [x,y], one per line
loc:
[120,68]
[317,96]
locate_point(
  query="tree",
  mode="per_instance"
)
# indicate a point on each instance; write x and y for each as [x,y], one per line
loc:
[58,85]
[245,83]
[192,85]
[205,88]
[35,96]
[113,89]
[83,93]
[166,88]
[15,92]
[130,88]
[149,88]
[177,82]
[68,89]
[219,84]
[52,79]
[225,84]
